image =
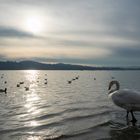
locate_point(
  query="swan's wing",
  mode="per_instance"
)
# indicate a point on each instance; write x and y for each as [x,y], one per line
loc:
[129,96]
[128,99]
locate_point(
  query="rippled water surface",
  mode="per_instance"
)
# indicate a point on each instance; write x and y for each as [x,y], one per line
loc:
[58,110]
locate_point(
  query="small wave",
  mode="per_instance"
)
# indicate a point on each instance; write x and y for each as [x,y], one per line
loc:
[46,126]
[13,130]
[65,136]
[48,116]
[79,133]
[87,116]
[51,115]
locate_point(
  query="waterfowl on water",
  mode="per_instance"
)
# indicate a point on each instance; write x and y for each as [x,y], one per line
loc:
[46,83]
[77,77]
[125,98]
[18,85]
[113,77]
[26,88]
[69,82]
[3,90]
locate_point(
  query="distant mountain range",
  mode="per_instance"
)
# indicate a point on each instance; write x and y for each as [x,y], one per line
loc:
[32,65]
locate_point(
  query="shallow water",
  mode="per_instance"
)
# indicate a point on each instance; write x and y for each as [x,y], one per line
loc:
[58,110]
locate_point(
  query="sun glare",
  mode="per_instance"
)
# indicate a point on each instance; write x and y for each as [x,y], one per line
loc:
[33,24]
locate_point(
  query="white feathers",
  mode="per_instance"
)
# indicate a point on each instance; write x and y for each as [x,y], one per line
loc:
[125,98]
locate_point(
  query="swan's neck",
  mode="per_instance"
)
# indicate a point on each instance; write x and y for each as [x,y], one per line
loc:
[117,86]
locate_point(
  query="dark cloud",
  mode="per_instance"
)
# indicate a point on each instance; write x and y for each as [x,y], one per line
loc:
[128,52]
[9,32]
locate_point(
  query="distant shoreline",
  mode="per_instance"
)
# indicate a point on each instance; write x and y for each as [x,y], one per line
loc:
[73,69]
[32,65]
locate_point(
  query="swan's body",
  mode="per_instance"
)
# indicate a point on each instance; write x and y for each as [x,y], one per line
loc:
[125,98]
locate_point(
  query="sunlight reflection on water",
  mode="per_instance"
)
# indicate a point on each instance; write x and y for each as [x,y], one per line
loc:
[34,138]
[31,75]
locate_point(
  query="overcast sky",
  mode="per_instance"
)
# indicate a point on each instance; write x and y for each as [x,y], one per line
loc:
[92,32]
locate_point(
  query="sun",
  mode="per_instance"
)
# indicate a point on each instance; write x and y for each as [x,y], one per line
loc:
[33,24]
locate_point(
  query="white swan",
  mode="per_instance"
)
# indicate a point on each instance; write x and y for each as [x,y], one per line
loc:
[125,98]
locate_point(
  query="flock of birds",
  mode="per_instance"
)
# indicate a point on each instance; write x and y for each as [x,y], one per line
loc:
[76,78]
[127,99]
[19,84]
[27,88]
[5,82]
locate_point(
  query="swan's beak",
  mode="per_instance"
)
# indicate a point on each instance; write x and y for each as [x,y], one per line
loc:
[109,87]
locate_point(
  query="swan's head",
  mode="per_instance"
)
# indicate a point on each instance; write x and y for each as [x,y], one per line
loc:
[114,82]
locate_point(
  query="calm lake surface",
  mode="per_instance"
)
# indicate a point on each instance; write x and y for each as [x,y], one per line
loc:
[58,110]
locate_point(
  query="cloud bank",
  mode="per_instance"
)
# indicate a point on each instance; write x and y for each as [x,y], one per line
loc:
[75,31]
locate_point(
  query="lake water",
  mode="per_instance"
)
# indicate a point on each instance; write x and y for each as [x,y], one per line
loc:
[58,110]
